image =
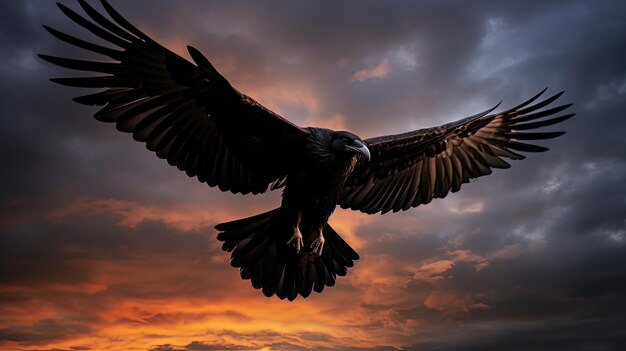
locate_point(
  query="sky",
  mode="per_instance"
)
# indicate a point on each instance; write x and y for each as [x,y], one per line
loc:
[105,247]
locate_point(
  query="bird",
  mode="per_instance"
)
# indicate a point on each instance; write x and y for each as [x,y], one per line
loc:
[191,116]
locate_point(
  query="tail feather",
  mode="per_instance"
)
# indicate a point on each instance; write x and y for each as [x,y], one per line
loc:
[341,252]
[258,247]
[321,276]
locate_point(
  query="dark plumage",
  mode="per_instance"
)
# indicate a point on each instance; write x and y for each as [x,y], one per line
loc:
[190,115]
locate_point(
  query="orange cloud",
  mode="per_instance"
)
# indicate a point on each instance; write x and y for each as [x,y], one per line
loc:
[381,70]
[431,271]
[464,206]
[140,296]
[449,302]
[479,261]
[281,95]
[130,214]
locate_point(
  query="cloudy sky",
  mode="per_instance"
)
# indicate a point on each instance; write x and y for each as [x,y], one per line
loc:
[105,247]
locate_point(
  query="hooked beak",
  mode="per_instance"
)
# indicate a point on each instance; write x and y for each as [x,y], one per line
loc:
[361,149]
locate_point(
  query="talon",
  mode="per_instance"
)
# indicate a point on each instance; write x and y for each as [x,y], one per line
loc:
[317,245]
[296,241]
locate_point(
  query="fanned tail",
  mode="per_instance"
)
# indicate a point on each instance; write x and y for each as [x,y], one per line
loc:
[259,249]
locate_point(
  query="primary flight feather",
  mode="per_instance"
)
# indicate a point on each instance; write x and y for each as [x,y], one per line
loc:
[190,115]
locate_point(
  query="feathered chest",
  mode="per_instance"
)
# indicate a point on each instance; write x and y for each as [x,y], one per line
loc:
[321,172]
[327,174]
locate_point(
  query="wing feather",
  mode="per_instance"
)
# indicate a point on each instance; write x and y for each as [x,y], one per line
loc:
[410,169]
[187,113]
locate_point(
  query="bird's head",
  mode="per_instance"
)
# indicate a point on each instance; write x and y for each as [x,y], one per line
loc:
[346,142]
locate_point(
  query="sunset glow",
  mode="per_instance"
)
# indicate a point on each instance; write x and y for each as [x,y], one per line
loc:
[103,246]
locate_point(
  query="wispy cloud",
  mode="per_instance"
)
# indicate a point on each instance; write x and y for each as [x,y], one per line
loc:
[381,70]
[132,213]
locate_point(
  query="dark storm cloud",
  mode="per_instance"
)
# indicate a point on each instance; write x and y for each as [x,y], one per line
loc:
[566,295]
[290,347]
[198,346]
[75,250]
[527,258]
[42,331]
[42,127]
[555,335]
[282,346]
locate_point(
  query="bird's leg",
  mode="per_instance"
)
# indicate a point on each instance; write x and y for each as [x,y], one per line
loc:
[317,244]
[296,240]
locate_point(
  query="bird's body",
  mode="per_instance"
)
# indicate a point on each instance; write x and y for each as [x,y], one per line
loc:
[317,178]
[190,115]
[314,183]
[289,242]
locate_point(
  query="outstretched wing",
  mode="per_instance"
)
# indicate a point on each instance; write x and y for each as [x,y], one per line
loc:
[410,169]
[187,113]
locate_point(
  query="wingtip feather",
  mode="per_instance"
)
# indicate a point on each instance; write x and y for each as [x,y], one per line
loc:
[44,57]
[63,8]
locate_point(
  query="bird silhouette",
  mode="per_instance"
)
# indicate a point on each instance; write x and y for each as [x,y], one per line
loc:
[191,116]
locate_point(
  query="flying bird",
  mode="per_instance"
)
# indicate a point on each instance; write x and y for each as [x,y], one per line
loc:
[190,115]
